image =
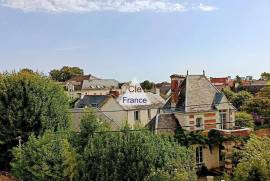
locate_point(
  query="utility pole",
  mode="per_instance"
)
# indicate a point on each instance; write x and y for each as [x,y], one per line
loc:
[20,141]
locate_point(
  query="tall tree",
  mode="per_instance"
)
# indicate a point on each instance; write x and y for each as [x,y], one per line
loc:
[147,85]
[49,157]
[265,76]
[240,98]
[65,73]
[29,103]
[255,161]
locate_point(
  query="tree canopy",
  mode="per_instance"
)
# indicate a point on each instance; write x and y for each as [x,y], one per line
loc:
[265,76]
[49,157]
[147,85]
[255,162]
[29,103]
[135,156]
[244,119]
[65,73]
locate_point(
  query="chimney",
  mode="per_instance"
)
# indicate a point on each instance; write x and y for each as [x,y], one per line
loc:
[176,81]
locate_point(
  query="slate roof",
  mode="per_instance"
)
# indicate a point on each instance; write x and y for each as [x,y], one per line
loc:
[80,78]
[91,101]
[198,94]
[99,84]
[164,123]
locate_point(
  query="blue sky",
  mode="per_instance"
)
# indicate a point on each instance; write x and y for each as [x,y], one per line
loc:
[148,41]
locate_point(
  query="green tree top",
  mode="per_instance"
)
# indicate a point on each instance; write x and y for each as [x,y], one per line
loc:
[147,85]
[29,103]
[65,73]
[255,162]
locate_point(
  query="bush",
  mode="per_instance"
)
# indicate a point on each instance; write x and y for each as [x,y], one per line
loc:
[244,119]
[49,157]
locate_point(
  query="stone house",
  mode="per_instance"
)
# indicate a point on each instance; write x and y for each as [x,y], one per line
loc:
[196,104]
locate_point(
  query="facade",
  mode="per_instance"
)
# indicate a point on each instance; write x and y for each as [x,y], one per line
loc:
[196,104]
[79,86]
[119,114]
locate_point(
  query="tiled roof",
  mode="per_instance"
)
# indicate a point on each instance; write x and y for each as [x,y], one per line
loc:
[99,84]
[221,80]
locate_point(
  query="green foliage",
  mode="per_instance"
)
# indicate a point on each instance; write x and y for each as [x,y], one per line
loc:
[29,103]
[265,92]
[65,73]
[187,138]
[237,99]
[49,157]
[134,156]
[244,119]
[228,93]
[255,162]
[240,98]
[90,124]
[147,85]
[265,76]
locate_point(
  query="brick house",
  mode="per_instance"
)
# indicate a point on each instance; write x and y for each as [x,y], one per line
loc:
[196,104]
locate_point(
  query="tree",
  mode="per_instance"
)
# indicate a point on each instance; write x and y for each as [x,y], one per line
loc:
[240,98]
[228,93]
[147,85]
[90,123]
[264,93]
[135,155]
[49,157]
[255,162]
[265,76]
[65,73]
[244,119]
[27,70]
[29,103]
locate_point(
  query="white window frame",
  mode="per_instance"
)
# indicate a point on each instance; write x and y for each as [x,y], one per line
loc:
[223,125]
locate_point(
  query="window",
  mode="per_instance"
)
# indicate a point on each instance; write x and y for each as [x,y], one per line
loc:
[223,119]
[136,115]
[199,123]
[199,155]
[149,113]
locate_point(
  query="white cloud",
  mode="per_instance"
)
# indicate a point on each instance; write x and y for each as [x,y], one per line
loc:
[204,7]
[74,6]
[58,6]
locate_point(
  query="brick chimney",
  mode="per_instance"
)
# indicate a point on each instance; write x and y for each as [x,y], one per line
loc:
[176,81]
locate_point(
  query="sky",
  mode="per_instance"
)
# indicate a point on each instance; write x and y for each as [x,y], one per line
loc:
[146,39]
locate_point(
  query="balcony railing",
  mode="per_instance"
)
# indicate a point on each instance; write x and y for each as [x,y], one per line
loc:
[236,131]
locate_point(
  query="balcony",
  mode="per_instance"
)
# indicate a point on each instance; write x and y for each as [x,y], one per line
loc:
[236,131]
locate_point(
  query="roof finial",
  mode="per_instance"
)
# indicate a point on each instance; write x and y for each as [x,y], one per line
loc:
[204,72]
[187,72]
